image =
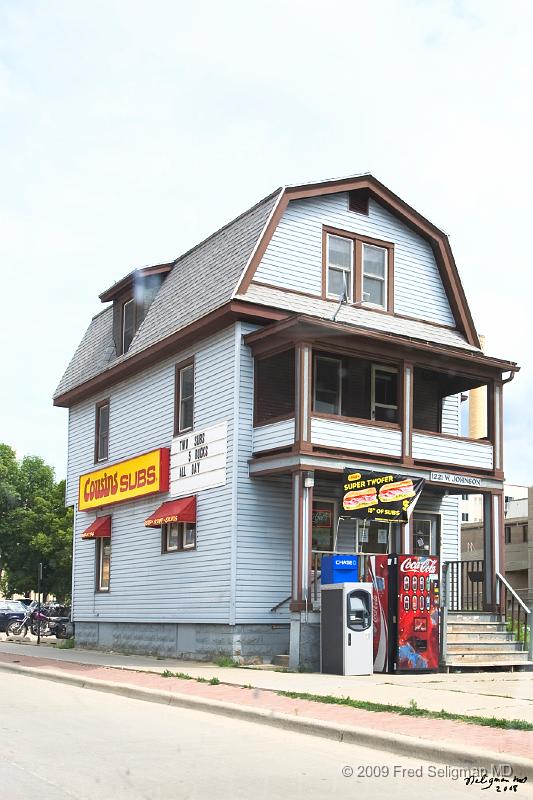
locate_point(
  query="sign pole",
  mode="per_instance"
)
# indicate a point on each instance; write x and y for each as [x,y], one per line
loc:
[39,580]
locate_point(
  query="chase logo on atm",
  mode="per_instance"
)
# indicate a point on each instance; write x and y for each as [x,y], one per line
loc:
[427,565]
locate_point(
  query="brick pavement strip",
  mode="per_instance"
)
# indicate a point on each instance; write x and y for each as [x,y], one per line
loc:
[440,740]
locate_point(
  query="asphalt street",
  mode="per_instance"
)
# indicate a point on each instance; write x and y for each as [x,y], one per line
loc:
[59,742]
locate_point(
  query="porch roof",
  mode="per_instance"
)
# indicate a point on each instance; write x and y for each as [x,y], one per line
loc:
[304,327]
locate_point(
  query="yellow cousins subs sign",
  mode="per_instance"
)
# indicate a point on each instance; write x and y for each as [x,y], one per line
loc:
[126,480]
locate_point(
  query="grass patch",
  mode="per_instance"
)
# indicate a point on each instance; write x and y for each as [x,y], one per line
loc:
[412,710]
[66,644]
[214,681]
[183,675]
[226,661]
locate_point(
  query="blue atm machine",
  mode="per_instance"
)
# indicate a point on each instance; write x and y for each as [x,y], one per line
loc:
[339,568]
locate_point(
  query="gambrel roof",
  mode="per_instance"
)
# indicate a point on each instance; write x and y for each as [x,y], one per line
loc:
[213,283]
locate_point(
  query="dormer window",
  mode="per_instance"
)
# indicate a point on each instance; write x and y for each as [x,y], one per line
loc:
[359,269]
[128,324]
[132,297]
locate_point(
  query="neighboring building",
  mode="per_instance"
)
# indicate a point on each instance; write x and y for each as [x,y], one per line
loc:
[239,363]
[515,499]
[518,548]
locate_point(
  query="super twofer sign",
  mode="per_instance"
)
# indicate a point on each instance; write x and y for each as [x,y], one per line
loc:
[126,480]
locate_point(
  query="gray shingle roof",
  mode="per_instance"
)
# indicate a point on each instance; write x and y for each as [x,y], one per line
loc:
[360,317]
[201,280]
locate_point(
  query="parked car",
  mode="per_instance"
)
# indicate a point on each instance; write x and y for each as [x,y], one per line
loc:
[9,611]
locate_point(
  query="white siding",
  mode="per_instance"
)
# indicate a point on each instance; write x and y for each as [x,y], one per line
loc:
[293,258]
[460,452]
[356,437]
[451,414]
[270,437]
[264,526]
[146,585]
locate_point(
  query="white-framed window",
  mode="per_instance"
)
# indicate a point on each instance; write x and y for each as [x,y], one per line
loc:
[339,267]
[128,324]
[328,385]
[178,536]
[103,563]
[384,394]
[374,270]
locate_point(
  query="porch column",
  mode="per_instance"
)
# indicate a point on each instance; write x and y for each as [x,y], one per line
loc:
[407,412]
[493,546]
[303,353]
[302,507]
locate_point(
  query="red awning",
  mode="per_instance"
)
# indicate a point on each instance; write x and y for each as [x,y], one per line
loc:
[183,510]
[100,528]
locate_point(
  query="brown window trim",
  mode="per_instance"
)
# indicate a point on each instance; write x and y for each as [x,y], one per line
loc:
[98,557]
[98,406]
[179,367]
[180,548]
[357,278]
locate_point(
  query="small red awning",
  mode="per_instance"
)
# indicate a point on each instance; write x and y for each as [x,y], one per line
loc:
[100,528]
[183,510]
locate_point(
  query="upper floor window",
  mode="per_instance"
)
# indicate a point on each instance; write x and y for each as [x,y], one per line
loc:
[360,269]
[128,324]
[101,433]
[339,267]
[384,394]
[184,398]
[352,387]
[328,385]
[375,275]
[507,534]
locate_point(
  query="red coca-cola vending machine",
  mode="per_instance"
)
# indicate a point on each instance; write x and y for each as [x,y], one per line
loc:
[406,612]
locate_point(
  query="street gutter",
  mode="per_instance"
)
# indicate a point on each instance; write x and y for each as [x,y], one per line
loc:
[349,734]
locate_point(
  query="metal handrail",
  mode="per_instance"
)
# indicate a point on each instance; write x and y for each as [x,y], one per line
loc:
[509,588]
[524,631]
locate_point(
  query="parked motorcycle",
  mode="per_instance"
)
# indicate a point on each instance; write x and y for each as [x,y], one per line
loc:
[59,627]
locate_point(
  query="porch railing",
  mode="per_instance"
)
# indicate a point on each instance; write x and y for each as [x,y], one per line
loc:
[518,617]
[462,585]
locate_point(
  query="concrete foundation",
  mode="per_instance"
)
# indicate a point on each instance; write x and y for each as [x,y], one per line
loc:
[195,641]
[304,653]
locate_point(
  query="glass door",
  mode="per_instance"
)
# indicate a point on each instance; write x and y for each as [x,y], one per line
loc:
[373,537]
[425,535]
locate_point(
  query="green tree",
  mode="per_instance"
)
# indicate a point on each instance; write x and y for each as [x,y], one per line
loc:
[35,526]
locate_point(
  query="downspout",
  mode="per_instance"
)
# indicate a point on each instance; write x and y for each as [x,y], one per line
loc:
[509,379]
[235,472]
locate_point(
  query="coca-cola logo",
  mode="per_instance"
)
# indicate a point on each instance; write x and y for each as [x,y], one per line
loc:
[428,565]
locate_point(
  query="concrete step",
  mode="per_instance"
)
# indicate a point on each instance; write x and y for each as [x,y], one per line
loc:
[484,647]
[476,627]
[281,661]
[488,658]
[473,616]
[477,665]
[479,636]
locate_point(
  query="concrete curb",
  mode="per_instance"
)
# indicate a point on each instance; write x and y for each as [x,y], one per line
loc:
[399,744]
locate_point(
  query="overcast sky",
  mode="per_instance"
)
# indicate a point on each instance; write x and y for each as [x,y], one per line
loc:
[130,130]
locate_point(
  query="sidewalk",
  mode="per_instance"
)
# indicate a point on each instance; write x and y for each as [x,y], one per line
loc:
[508,695]
[252,693]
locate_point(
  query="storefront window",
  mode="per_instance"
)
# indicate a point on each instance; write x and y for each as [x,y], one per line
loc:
[178,536]
[373,537]
[103,554]
[323,525]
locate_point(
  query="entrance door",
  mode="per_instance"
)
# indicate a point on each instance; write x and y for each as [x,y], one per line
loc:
[425,537]
[373,537]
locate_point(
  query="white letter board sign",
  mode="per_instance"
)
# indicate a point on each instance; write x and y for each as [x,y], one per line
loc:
[198,460]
